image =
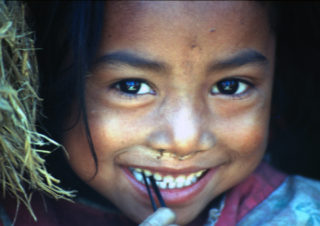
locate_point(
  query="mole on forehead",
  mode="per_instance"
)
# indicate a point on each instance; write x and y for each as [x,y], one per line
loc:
[193,44]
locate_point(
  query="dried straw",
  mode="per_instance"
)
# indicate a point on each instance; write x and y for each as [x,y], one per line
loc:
[22,169]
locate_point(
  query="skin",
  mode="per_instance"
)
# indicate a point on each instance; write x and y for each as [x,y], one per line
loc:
[180,114]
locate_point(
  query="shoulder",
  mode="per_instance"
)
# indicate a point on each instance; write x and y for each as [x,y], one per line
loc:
[304,198]
[304,187]
[295,202]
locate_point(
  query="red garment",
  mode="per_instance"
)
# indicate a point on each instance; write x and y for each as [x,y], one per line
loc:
[63,213]
[239,201]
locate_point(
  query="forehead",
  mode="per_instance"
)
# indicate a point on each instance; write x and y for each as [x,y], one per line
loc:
[185,29]
[209,15]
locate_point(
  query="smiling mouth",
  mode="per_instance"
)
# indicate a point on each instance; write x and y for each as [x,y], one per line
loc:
[168,181]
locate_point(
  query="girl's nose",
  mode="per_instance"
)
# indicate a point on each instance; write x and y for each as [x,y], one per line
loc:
[182,130]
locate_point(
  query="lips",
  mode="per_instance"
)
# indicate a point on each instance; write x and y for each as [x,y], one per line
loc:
[177,188]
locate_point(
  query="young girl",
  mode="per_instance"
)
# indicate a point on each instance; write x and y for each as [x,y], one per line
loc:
[178,90]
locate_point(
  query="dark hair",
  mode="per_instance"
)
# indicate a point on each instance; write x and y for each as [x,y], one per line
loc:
[67,35]
[70,32]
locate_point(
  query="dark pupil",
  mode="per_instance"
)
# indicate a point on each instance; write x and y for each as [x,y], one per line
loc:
[130,86]
[228,86]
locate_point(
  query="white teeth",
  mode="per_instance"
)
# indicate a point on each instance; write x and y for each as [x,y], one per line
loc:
[157,176]
[168,181]
[172,185]
[138,176]
[187,183]
[148,180]
[138,170]
[192,178]
[147,173]
[180,179]
[198,174]
[162,184]
[179,184]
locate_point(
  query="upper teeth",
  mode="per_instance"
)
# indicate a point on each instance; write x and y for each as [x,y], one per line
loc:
[168,181]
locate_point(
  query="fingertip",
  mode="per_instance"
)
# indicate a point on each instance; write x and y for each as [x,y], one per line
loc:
[163,216]
[170,215]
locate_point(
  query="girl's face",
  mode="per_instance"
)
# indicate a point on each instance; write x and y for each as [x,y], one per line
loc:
[183,90]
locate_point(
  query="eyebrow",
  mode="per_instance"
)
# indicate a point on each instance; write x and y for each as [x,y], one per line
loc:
[129,59]
[249,56]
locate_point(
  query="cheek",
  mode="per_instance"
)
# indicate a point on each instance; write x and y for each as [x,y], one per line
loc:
[79,155]
[244,142]
[252,139]
[108,140]
[112,131]
[247,135]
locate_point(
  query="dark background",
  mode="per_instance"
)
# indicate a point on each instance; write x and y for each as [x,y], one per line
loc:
[295,119]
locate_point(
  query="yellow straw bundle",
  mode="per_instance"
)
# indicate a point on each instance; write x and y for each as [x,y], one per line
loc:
[22,169]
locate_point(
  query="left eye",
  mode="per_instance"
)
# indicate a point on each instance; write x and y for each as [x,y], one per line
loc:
[230,87]
[133,87]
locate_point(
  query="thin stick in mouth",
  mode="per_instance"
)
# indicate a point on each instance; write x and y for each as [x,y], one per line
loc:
[156,190]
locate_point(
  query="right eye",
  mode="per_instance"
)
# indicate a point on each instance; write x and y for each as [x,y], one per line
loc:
[133,87]
[232,87]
